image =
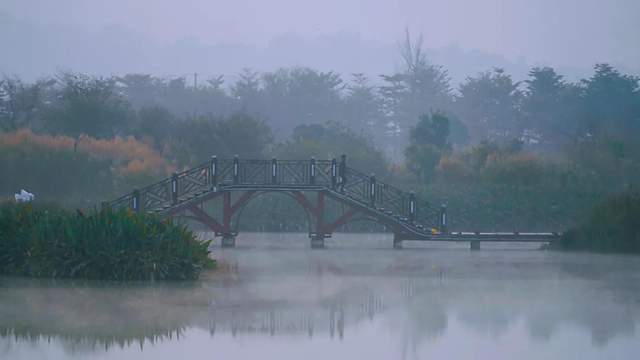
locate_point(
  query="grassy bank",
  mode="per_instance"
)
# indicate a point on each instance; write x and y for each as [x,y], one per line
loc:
[612,226]
[105,245]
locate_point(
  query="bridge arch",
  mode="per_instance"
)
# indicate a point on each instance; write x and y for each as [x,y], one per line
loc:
[242,208]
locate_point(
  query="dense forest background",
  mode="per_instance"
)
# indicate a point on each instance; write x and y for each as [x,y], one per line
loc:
[502,154]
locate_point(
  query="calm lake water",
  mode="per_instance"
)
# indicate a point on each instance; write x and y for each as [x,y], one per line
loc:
[358,299]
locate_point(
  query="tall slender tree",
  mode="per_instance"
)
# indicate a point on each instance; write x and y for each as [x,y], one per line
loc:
[611,101]
[428,140]
[550,106]
[489,105]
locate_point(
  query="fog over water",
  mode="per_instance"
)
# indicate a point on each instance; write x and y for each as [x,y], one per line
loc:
[357,299]
[98,98]
[216,37]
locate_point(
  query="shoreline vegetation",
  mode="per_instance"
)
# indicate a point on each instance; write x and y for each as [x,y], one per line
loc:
[611,227]
[47,241]
[52,242]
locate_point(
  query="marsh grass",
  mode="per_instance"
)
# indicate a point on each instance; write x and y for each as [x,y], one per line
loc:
[106,245]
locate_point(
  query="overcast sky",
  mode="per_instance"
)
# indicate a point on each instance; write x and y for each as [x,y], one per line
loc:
[562,33]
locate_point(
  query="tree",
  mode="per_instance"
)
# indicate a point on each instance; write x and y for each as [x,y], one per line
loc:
[611,102]
[246,90]
[330,140]
[458,132]
[156,124]
[420,88]
[550,106]
[177,95]
[197,139]
[22,105]
[428,140]
[489,105]
[431,129]
[244,135]
[301,96]
[89,106]
[141,90]
[363,107]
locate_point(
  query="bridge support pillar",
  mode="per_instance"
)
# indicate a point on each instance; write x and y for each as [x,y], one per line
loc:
[317,242]
[228,241]
[397,241]
[475,245]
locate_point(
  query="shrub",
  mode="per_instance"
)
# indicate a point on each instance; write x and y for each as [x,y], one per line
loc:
[106,245]
[524,169]
[489,188]
[452,169]
[77,171]
[611,227]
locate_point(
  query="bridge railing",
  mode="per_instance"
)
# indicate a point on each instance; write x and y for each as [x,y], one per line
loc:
[363,188]
[165,192]
[390,199]
[272,172]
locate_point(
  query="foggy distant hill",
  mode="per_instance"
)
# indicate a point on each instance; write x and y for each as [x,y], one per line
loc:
[33,50]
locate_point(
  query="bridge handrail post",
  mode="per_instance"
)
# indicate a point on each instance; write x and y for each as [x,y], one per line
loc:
[213,171]
[412,207]
[174,188]
[342,172]
[334,173]
[372,189]
[236,170]
[135,203]
[443,219]
[312,171]
[274,171]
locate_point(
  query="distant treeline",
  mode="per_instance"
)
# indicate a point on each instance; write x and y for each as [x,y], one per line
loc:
[504,155]
[545,111]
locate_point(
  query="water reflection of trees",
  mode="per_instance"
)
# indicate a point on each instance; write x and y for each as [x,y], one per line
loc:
[544,306]
[328,316]
[423,316]
[417,305]
[84,317]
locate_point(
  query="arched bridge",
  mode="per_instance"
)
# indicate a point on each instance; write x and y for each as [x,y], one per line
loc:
[310,183]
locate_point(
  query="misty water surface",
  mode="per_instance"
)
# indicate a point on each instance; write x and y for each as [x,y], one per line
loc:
[274,297]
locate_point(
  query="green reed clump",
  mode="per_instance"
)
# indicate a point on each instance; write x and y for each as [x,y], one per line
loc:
[105,245]
[613,226]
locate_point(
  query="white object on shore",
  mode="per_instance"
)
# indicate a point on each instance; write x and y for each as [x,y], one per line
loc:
[24,196]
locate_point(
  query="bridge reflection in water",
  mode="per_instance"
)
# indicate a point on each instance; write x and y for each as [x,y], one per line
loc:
[272,319]
[408,298]
[311,183]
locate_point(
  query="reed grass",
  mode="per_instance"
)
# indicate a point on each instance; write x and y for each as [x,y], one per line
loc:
[76,172]
[128,155]
[106,245]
